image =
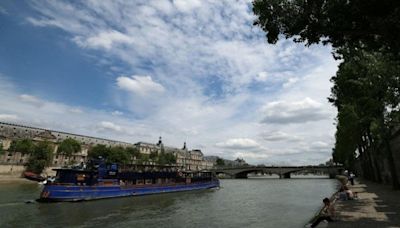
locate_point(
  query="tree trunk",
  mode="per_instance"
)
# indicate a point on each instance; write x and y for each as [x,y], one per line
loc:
[374,154]
[395,180]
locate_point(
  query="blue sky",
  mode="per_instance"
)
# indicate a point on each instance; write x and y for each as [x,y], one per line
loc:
[187,70]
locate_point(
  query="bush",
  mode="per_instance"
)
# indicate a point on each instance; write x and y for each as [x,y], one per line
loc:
[40,158]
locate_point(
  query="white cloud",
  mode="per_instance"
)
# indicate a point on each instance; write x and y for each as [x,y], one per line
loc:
[8,117]
[283,112]
[117,113]
[105,125]
[186,5]
[140,85]
[105,39]
[76,110]
[262,76]
[279,136]
[238,144]
[211,72]
[290,82]
[31,99]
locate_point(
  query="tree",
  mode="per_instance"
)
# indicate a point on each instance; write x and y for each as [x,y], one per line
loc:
[364,34]
[133,152]
[366,93]
[25,146]
[69,147]
[220,162]
[153,156]
[119,155]
[99,150]
[170,158]
[40,158]
[371,24]
[143,158]
[115,154]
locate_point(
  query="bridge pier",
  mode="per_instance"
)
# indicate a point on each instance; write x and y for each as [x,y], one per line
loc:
[284,176]
[332,175]
[241,176]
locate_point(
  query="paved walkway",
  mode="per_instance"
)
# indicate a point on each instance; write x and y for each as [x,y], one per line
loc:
[378,206]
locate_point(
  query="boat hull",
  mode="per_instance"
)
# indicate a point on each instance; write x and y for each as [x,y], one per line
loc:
[57,193]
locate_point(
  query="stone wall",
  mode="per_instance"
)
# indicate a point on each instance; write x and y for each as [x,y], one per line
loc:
[11,170]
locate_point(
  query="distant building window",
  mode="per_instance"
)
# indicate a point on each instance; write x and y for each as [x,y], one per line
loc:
[21,160]
[55,162]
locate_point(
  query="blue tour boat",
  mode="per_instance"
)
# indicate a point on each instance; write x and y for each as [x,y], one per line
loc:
[101,180]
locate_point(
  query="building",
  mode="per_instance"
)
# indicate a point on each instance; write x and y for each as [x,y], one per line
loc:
[186,159]
[10,132]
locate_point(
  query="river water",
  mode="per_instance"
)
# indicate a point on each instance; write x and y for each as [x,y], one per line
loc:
[253,202]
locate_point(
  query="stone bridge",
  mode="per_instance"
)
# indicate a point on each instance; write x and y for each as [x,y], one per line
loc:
[282,171]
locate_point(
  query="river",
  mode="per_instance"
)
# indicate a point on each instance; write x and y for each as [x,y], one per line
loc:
[253,202]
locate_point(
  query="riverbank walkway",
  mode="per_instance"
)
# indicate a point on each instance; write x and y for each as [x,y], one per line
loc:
[377,206]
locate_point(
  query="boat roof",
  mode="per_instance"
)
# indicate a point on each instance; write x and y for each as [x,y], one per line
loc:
[75,170]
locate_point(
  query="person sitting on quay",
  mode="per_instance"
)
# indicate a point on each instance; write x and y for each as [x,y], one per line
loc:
[346,194]
[327,213]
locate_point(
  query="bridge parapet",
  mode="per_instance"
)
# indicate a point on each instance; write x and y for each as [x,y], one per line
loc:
[282,171]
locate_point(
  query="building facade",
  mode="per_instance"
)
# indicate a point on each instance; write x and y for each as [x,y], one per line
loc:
[185,159]
[10,132]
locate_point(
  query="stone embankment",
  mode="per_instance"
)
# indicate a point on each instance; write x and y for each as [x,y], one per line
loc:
[377,206]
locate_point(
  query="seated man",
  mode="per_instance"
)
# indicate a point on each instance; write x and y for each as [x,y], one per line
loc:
[327,213]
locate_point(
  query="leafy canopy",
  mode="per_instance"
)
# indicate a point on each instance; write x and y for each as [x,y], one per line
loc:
[372,24]
[69,147]
[41,157]
[25,146]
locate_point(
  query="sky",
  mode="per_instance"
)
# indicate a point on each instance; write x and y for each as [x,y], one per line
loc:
[187,70]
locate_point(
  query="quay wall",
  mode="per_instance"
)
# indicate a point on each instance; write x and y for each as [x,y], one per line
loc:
[11,170]
[17,170]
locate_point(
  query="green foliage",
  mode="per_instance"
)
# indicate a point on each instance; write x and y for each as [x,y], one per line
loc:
[166,159]
[170,158]
[25,146]
[366,94]
[366,91]
[153,155]
[220,162]
[143,159]
[40,158]
[99,151]
[370,24]
[118,155]
[111,154]
[69,147]
[133,151]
